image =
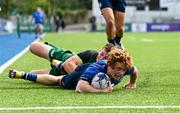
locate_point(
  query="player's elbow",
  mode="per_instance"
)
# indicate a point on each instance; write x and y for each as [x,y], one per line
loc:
[81,88]
[135,73]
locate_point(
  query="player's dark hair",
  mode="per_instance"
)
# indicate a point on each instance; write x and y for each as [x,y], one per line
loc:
[108,47]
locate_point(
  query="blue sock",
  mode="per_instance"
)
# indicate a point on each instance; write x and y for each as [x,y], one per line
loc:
[30,77]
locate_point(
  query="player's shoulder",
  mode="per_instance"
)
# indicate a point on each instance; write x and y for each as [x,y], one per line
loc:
[102,61]
[100,64]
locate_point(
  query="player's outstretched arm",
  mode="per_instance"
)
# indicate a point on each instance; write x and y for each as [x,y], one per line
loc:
[132,83]
[84,87]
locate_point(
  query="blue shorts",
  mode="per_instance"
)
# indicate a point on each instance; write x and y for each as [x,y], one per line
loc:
[116,5]
[70,81]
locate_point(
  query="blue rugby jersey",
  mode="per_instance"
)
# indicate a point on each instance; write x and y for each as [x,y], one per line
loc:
[93,69]
[101,66]
[87,72]
[38,17]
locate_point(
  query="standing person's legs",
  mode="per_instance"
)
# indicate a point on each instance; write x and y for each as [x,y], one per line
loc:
[119,20]
[110,24]
[36,30]
[41,28]
[119,12]
[106,7]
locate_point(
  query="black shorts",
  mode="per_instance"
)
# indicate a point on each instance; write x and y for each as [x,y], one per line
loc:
[116,5]
[70,81]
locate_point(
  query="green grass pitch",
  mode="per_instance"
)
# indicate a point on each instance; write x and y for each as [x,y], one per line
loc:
[156,55]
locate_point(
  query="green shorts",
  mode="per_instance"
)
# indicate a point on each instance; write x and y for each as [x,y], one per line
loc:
[54,71]
[59,54]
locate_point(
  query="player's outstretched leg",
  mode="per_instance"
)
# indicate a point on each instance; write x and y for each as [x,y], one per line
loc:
[15,74]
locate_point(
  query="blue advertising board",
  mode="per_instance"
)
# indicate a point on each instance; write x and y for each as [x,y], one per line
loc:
[151,27]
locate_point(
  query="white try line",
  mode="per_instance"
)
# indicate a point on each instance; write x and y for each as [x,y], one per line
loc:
[91,107]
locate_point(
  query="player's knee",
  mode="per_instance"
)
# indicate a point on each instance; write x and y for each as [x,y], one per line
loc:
[33,46]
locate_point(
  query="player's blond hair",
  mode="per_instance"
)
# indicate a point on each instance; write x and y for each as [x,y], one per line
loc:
[117,55]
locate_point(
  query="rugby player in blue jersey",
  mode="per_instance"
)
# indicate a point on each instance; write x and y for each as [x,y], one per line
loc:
[113,13]
[38,17]
[117,65]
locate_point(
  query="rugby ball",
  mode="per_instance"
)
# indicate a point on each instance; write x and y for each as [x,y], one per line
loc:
[100,81]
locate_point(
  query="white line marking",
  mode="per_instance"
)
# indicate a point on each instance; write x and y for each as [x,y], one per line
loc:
[9,62]
[147,40]
[92,107]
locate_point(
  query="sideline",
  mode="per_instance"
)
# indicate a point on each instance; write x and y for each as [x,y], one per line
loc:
[91,107]
[9,62]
